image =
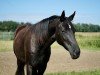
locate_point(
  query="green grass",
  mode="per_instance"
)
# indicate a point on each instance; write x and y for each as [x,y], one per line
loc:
[95,72]
[88,40]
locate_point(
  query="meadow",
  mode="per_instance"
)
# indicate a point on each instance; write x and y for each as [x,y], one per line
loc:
[95,72]
[6,41]
[88,40]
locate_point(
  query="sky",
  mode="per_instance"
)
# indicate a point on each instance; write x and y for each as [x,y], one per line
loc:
[87,11]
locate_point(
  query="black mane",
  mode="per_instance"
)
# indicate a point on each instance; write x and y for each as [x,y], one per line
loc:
[49,18]
[44,20]
[41,29]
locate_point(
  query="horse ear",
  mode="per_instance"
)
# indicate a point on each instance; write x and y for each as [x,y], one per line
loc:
[72,16]
[62,17]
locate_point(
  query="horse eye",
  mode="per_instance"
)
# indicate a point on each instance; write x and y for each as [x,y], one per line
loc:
[62,30]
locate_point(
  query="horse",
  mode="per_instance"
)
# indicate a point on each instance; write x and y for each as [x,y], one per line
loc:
[32,43]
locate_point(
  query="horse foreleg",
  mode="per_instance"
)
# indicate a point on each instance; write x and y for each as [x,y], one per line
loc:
[42,69]
[31,70]
[34,71]
[20,68]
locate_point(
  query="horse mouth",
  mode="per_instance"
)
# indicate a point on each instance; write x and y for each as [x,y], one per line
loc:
[75,55]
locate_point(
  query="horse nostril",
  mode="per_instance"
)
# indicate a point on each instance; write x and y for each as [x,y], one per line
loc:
[78,52]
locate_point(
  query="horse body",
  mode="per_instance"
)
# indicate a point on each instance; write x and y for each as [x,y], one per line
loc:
[32,44]
[28,44]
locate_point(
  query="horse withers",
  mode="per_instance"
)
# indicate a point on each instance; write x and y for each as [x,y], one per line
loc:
[32,43]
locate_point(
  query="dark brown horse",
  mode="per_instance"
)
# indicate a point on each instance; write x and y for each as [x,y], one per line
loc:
[32,43]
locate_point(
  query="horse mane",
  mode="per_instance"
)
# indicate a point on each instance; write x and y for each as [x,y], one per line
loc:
[41,28]
[43,24]
[50,18]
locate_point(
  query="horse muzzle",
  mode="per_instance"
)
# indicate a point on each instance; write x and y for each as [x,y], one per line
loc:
[75,55]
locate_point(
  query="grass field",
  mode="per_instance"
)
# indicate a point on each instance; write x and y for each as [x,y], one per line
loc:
[88,40]
[6,45]
[95,72]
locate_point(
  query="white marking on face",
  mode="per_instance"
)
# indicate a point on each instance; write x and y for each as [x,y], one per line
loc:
[69,26]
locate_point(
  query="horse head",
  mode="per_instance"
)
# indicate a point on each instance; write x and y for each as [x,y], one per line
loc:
[65,35]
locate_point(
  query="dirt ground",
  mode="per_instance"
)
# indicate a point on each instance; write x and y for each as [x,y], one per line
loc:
[60,61]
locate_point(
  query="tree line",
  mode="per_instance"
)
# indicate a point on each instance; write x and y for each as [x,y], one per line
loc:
[83,27]
[80,27]
[8,25]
